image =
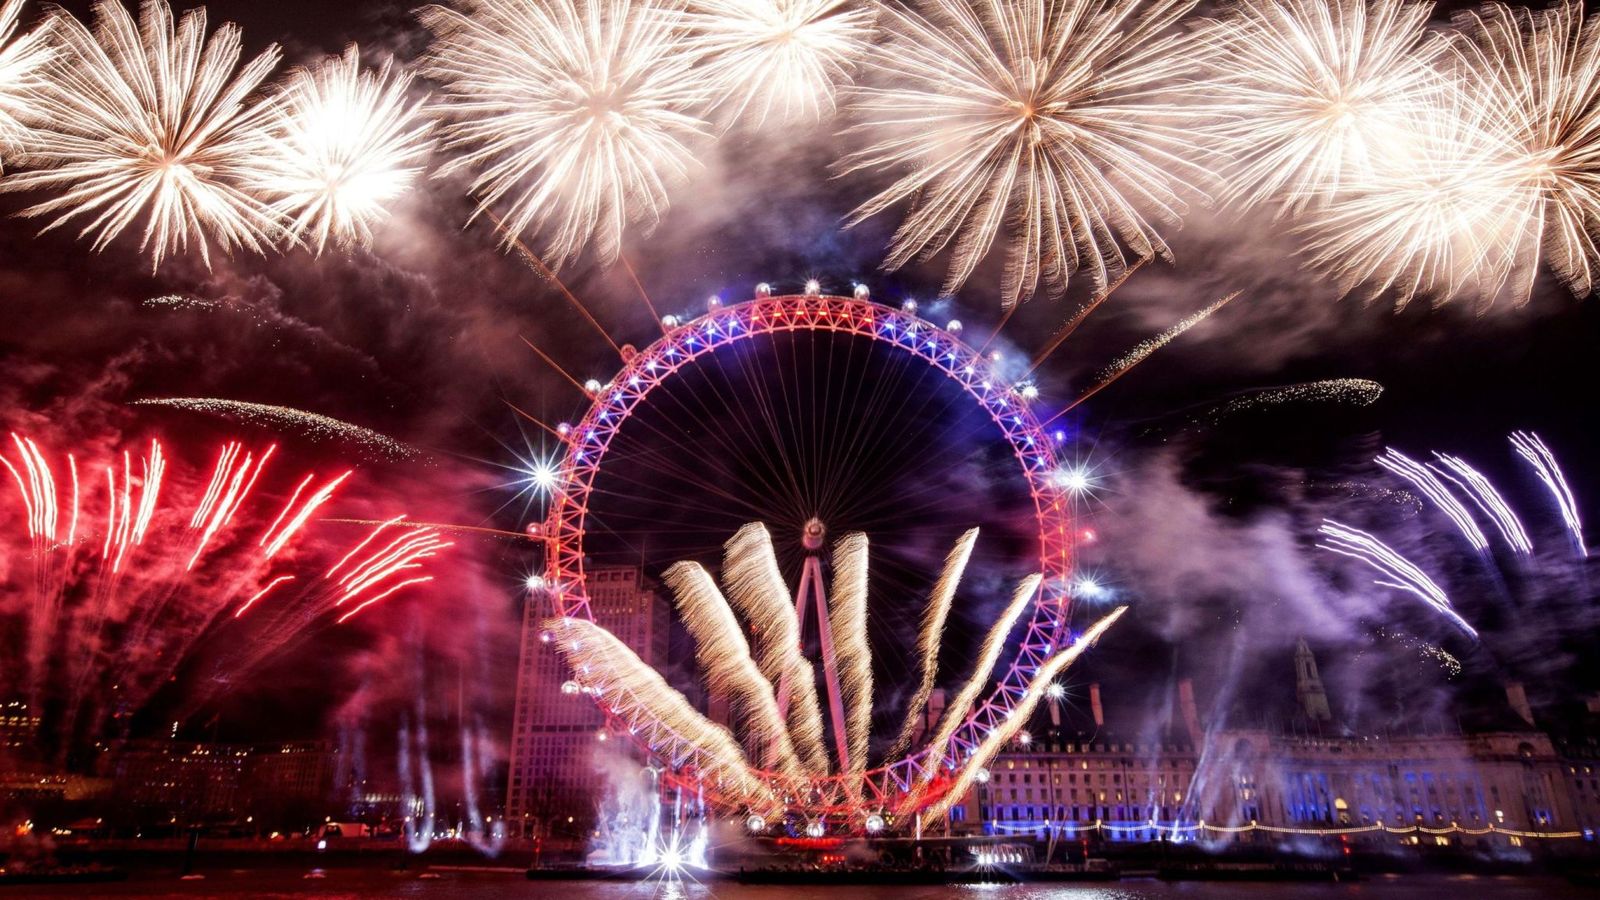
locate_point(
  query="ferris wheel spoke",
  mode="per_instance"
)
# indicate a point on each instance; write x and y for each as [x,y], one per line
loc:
[784,462]
[717,460]
[775,474]
[769,418]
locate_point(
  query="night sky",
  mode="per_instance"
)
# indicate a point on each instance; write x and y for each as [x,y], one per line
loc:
[1208,530]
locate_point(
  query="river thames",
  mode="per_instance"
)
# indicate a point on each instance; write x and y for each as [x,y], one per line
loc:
[455,885]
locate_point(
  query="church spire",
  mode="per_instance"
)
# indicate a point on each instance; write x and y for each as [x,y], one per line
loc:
[1308,685]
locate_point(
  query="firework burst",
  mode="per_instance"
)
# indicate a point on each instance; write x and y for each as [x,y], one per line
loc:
[149,120]
[575,115]
[1034,125]
[1434,219]
[134,561]
[345,143]
[1305,96]
[778,61]
[22,61]
[756,679]
[1537,75]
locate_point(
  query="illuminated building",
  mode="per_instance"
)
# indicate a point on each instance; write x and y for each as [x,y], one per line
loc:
[182,782]
[555,732]
[19,729]
[1179,781]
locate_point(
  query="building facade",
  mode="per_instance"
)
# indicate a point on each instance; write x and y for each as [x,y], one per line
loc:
[1231,783]
[286,785]
[554,782]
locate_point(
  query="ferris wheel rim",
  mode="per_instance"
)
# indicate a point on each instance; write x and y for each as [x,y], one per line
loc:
[723,325]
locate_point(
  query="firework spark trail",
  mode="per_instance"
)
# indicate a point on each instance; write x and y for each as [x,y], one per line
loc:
[635,692]
[226,493]
[404,554]
[300,422]
[1070,327]
[757,590]
[1536,76]
[149,120]
[443,527]
[1304,97]
[22,61]
[275,538]
[777,61]
[219,475]
[72,529]
[724,657]
[132,520]
[183,302]
[1354,391]
[38,495]
[956,713]
[847,619]
[1002,734]
[344,144]
[1404,500]
[1544,464]
[1431,652]
[931,637]
[1426,481]
[1397,572]
[372,535]
[400,554]
[575,115]
[1034,124]
[281,579]
[1488,499]
[371,578]
[38,491]
[386,594]
[1142,351]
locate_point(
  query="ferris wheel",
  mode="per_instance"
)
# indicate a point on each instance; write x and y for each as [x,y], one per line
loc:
[616,432]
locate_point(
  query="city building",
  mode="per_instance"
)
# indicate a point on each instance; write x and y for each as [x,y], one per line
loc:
[1183,780]
[19,730]
[554,782]
[181,782]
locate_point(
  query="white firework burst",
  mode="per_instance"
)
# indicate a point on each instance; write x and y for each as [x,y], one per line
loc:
[1434,219]
[778,61]
[1304,96]
[345,143]
[1536,76]
[22,60]
[576,116]
[1036,124]
[144,119]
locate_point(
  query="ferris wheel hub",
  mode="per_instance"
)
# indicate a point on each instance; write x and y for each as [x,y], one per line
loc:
[813,534]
